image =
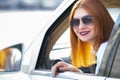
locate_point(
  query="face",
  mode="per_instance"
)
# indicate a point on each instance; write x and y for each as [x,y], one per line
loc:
[83,26]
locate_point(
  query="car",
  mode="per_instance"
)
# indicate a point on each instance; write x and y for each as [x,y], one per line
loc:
[41,51]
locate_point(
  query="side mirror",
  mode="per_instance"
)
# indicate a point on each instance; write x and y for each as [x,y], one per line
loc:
[11,58]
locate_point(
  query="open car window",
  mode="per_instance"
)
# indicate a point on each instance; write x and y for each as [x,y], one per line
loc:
[51,37]
[56,44]
[61,49]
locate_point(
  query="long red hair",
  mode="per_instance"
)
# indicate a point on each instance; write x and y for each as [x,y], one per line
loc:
[102,21]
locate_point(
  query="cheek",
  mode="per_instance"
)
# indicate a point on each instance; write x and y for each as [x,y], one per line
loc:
[75,30]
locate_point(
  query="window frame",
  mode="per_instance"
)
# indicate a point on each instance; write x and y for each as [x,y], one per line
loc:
[47,44]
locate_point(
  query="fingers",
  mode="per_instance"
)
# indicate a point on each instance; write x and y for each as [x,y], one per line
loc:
[69,67]
[63,66]
[56,68]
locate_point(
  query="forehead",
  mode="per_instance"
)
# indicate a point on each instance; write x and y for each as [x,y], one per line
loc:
[80,12]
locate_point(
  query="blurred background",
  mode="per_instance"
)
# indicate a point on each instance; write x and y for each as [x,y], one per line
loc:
[24,20]
[29,4]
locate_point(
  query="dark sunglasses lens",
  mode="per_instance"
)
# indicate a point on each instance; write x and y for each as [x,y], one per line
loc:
[74,22]
[87,20]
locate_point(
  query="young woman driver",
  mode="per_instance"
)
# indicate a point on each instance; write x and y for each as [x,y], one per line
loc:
[90,28]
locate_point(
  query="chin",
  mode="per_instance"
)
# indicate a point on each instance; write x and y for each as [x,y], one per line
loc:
[84,40]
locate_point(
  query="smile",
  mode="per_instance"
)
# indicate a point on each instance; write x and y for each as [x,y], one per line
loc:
[84,33]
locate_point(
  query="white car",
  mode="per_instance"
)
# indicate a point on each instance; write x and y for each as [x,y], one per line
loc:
[38,50]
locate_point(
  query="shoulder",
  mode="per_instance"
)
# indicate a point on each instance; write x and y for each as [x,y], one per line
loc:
[101,50]
[102,46]
[100,54]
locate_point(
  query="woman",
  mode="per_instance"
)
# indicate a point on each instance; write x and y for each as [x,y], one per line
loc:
[90,28]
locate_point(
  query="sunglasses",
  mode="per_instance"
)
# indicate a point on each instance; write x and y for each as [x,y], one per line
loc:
[87,20]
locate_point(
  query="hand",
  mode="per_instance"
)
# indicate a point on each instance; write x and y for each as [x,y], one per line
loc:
[63,66]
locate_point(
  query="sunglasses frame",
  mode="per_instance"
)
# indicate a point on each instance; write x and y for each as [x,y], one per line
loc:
[86,20]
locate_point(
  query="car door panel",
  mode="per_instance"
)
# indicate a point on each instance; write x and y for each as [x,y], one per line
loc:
[14,76]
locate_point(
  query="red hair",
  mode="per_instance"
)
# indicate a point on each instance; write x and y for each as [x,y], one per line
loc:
[101,19]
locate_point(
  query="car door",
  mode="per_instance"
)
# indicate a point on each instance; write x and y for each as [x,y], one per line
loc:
[43,62]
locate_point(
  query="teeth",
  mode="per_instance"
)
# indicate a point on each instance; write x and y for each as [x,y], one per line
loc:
[84,33]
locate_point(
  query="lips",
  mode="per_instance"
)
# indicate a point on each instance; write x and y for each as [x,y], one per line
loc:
[84,33]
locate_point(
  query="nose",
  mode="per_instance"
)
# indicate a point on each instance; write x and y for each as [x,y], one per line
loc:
[81,25]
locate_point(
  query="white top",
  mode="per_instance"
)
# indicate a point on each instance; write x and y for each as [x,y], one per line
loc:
[99,55]
[14,60]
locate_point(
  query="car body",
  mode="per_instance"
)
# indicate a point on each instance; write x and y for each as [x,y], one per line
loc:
[36,50]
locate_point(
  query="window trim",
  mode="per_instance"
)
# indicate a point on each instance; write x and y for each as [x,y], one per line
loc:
[44,51]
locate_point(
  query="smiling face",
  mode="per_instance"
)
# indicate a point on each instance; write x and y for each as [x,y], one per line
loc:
[85,30]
